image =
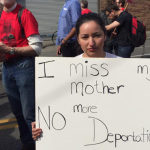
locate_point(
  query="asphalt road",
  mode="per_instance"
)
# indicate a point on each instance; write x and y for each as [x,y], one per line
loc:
[9,135]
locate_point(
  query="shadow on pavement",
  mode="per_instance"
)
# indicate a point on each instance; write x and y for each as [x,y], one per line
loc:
[7,141]
[9,136]
[2,95]
[5,109]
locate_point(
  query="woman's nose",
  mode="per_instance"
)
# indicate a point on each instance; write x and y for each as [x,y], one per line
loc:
[91,41]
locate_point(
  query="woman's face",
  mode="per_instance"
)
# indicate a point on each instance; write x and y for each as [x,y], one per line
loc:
[91,39]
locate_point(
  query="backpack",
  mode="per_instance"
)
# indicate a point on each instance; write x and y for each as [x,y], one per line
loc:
[138,32]
[19,19]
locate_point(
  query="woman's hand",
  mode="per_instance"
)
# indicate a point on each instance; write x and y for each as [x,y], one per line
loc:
[36,132]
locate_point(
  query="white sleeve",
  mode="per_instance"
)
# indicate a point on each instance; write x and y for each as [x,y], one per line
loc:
[35,42]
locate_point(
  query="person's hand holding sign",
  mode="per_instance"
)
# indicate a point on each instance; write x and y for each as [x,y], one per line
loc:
[36,132]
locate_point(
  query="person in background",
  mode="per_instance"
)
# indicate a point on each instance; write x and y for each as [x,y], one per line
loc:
[122,24]
[120,4]
[66,40]
[108,19]
[20,43]
[84,7]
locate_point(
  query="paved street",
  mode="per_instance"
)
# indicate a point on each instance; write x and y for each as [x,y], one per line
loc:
[9,135]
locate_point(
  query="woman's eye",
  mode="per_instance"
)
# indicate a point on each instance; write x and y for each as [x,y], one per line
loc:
[97,35]
[84,37]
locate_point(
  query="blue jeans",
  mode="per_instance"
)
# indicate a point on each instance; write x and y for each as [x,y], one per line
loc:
[18,77]
[124,51]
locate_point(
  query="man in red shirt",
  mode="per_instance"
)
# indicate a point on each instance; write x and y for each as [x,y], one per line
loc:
[19,44]
[84,7]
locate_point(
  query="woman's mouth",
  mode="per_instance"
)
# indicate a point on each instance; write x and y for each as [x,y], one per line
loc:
[92,49]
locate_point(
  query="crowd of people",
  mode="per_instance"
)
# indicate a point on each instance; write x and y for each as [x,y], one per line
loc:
[81,33]
[118,23]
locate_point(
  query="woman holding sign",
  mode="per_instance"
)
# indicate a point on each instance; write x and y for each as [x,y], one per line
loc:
[91,34]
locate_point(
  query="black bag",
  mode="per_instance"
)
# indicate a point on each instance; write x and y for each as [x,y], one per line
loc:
[138,35]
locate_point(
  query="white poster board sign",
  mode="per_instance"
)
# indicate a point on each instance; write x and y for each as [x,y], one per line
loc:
[93,104]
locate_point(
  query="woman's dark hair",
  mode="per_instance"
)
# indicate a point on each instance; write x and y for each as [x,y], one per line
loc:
[90,17]
[86,18]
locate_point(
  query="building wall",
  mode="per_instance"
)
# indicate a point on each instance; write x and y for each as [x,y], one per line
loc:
[139,8]
[47,12]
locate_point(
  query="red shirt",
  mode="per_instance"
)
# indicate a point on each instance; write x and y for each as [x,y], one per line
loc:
[10,29]
[85,11]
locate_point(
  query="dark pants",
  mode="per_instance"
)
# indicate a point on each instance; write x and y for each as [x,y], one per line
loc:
[124,51]
[70,49]
[109,46]
[19,82]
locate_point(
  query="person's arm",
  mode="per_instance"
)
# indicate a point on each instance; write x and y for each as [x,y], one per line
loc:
[23,51]
[35,42]
[75,12]
[33,49]
[112,25]
[69,36]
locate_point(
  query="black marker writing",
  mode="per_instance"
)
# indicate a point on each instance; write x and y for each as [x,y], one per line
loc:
[144,70]
[84,109]
[98,87]
[44,69]
[104,138]
[51,122]
[85,69]
[115,138]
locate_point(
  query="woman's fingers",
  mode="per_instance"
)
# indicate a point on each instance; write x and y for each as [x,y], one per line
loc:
[36,132]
